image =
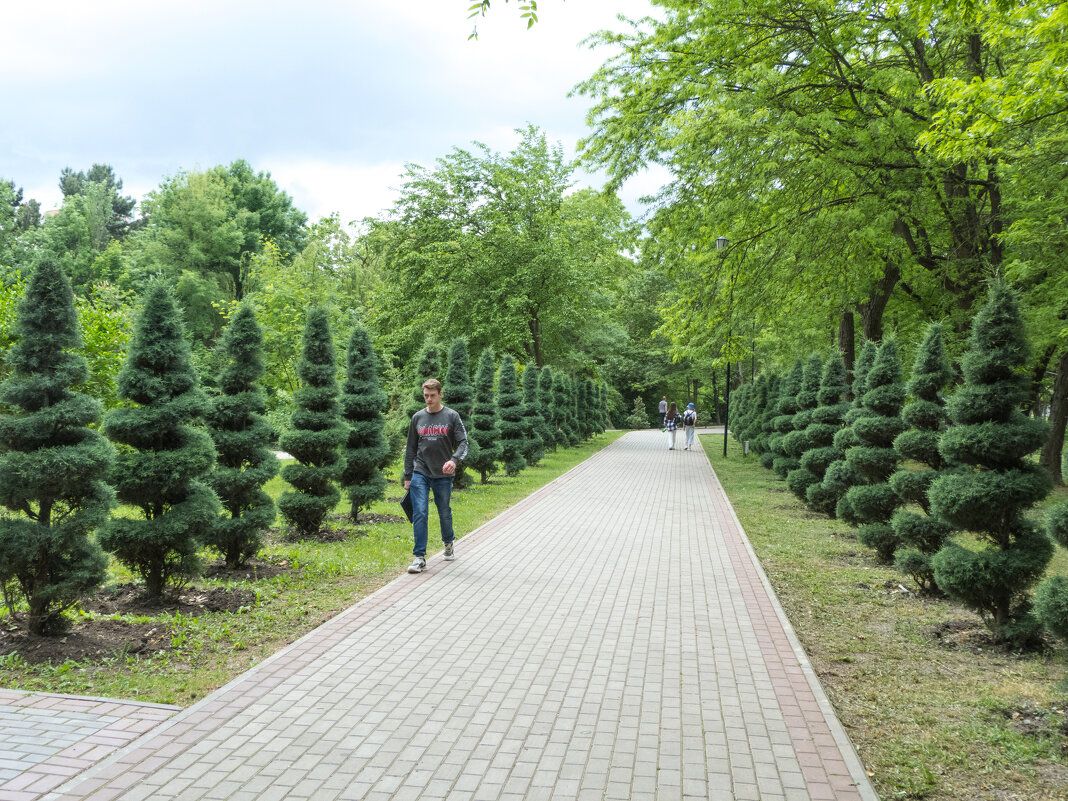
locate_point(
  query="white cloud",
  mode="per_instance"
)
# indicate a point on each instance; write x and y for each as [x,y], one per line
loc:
[354,190]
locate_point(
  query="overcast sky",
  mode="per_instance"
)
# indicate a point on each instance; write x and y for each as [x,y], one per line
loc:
[331,97]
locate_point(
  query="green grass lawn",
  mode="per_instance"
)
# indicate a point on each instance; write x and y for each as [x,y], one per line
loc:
[197,654]
[935,710]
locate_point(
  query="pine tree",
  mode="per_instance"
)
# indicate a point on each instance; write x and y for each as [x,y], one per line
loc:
[991,439]
[510,407]
[164,459]
[545,399]
[827,420]
[366,451]
[429,363]
[242,439]
[558,413]
[762,425]
[316,432]
[783,423]
[485,432]
[459,395]
[574,433]
[638,419]
[797,442]
[51,462]
[922,535]
[871,503]
[534,446]
[839,476]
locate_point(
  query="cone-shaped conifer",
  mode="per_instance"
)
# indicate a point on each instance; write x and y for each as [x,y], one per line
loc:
[797,442]
[362,402]
[510,408]
[485,432]
[762,427]
[51,462]
[429,363]
[561,417]
[316,432]
[242,439]
[534,446]
[991,439]
[459,395]
[921,535]
[164,458]
[783,423]
[827,420]
[547,431]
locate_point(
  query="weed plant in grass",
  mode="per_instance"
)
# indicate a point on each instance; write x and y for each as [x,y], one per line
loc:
[936,717]
[315,580]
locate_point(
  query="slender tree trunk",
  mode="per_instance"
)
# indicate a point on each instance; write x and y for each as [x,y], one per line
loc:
[1053,450]
[871,311]
[715,400]
[847,343]
[1036,380]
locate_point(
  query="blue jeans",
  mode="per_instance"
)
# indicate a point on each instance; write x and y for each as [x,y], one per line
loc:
[420,490]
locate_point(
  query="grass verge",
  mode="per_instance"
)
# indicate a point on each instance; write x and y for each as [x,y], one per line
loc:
[314,581]
[934,709]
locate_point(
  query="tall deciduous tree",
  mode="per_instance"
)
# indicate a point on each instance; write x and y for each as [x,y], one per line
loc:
[362,402]
[242,439]
[316,433]
[485,431]
[164,456]
[52,464]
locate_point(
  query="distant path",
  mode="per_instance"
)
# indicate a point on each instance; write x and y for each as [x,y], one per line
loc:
[611,636]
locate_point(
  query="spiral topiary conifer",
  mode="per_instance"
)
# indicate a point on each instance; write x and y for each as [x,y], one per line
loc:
[164,458]
[827,420]
[242,439]
[459,395]
[485,432]
[510,408]
[428,363]
[534,446]
[316,432]
[991,439]
[550,434]
[839,476]
[51,462]
[365,451]
[783,423]
[797,442]
[921,535]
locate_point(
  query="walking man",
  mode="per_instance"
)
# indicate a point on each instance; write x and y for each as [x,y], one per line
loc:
[437,443]
[663,410]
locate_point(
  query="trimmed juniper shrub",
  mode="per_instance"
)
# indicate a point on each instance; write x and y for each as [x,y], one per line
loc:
[485,433]
[763,426]
[920,534]
[242,437]
[316,432]
[459,395]
[587,408]
[51,461]
[783,423]
[756,403]
[365,451]
[871,503]
[550,433]
[564,409]
[510,408]
[797,442]
[826,421]
[991,439]
[533,424]
[164,457]
[604,421]
[429,363]
[638,418]
[839,476]
[1051,597]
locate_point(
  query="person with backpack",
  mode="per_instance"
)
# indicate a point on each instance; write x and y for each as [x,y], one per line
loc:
[671,424]
[689,423]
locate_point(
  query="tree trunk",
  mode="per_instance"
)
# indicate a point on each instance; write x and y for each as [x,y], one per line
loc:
[1053,449]
[1036,381]
[715,400]
[847,343]
[871,311]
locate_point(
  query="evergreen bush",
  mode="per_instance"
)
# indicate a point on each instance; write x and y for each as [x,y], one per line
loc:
[164,458]
[485,432]
[638,417]
[533,424]
[797,442]
[510,408]
[551,435]
[991,439]
[316,432]
[871,503]
[429,363]
[783,423]
[242,437]
[827,420]
[51,461]
[1051,597]
[459,395]
[761,427]
[365,452]
[921,535]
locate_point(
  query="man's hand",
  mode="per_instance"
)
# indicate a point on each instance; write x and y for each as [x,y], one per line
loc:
[407,485]
[449,467]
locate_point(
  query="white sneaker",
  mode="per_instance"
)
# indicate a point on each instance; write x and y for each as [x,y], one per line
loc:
[418,565]
[450,553]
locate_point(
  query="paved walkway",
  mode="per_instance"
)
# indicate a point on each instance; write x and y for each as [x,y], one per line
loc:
[610,637]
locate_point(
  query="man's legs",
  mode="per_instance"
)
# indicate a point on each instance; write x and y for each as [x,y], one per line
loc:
[442,496]
[420,493]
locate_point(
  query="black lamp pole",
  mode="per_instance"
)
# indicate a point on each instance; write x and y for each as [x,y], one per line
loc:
[721,245]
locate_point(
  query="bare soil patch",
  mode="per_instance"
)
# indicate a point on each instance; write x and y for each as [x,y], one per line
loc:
[253,570]
[90,641]
[129,599]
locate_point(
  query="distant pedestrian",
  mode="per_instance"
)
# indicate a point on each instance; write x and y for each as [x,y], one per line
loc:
[663,410]
[671,424]
[689,423]
[437,443]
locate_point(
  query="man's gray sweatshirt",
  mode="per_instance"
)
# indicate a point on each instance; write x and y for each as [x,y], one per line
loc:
[433,439]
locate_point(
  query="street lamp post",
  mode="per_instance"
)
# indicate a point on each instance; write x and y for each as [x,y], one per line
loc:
[721,245]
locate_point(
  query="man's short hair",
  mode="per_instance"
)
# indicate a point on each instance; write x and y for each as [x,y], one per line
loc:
[432,384]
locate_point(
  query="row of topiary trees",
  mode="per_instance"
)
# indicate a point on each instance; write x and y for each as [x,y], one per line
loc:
[194,467]
[940,488]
